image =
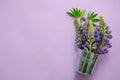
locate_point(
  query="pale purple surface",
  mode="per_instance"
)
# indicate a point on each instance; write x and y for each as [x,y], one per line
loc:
[37,40]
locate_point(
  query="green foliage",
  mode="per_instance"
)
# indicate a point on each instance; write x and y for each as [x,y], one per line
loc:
[76,23]
[92,16]
[102,25]
[91,34]
[75,12]
[82,14]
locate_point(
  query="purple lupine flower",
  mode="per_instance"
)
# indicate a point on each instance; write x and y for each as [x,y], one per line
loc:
[109,36]
[101,34]
[83,38]
[83,19]
[98,28]
[107,27]
[96,34]
[109,45]
[106,41]
[87,45]
[82,27]
[88,18]
[105,50]
[108,31]
[82,47]
[94,51]
[95,45]
[97,38]
[100,52]
[88,24]
[85,33]
[94,42]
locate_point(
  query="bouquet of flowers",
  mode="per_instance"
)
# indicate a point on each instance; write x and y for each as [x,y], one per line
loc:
[92,37]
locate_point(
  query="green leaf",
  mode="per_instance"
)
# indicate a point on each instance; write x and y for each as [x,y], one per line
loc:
[75,12]
[89,14]
[96,20]
[82,14]
[70,14]
[93,16]
[101,18]
[91,23]
[71,11]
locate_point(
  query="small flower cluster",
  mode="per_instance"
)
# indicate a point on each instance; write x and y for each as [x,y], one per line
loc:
[93,34]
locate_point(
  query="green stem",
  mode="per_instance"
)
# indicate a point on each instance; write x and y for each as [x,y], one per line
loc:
[90,46]
[76,24]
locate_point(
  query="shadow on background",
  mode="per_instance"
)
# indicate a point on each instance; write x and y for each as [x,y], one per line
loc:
[102,61]
[81,77]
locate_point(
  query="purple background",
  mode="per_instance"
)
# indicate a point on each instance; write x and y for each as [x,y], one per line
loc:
[37,40]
